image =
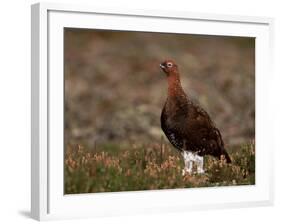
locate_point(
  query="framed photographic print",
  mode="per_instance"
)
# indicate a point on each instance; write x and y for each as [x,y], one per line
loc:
[138,111]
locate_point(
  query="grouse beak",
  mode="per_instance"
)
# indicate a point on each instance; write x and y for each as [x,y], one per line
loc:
[162,66]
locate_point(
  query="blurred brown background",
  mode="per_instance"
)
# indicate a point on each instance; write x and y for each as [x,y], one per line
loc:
[115,91]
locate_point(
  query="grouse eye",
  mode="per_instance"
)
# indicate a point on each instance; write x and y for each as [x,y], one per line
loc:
[169,64]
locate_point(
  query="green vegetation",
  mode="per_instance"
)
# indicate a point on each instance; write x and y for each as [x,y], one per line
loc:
[156,166]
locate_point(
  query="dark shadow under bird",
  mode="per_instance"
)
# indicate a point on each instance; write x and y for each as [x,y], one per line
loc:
[187,126]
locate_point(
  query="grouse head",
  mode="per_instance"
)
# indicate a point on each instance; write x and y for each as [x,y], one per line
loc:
[169,67]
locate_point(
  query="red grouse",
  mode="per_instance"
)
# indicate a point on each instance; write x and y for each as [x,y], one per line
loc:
[187,126]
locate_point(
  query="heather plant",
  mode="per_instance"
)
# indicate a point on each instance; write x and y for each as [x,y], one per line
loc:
[150,167]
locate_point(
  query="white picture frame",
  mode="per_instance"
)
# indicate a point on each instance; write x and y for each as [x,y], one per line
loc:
[48,201]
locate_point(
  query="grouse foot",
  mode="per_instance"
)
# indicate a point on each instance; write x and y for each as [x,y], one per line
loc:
[189,159]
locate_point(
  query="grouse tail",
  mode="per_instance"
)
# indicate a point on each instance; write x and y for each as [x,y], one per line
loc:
[226,156]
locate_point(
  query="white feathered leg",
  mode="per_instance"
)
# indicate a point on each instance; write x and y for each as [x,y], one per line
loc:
[188,162]
[200,164]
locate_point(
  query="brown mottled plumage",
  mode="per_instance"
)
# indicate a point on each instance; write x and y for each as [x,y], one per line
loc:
[187,126]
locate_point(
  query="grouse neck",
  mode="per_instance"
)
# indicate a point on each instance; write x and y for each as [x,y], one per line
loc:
[174,85]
